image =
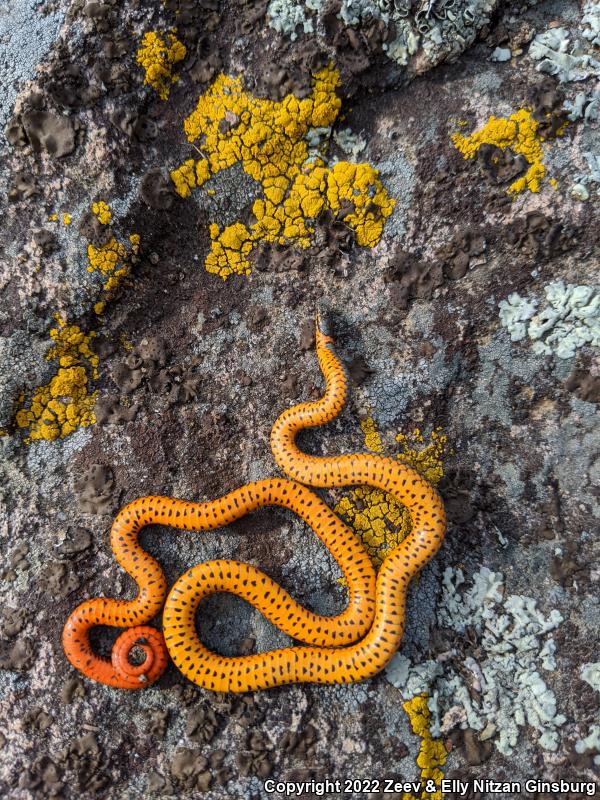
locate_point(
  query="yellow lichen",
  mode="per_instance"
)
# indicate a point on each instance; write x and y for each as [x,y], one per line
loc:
[65,403]
[102,212]
[53,217]
[99,307]
[373,440]
[268,139]
[158,55]
[66,218]
[125,343]
[112,261]
[379,520]
[432,753]
[427,460]
[519,133]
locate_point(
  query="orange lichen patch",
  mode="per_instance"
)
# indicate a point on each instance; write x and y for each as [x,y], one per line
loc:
[66,402]
[379,520]
[268,139]
[519,133]
[65,217]
[102,212]
[432,754]
[112,260]
[158,55]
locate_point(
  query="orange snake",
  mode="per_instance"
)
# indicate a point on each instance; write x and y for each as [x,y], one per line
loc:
[351,646]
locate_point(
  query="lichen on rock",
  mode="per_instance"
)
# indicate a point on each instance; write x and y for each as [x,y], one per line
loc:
[66,402]
[158,54]
[268,138]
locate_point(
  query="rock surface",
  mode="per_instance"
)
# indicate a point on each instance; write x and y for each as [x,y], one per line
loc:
[462,275]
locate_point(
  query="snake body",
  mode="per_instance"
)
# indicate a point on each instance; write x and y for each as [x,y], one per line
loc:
[351,646]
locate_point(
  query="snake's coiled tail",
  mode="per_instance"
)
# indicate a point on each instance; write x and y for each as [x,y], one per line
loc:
[321,664]
[250,583]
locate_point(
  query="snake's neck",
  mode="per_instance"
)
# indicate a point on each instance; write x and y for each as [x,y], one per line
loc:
[287,454]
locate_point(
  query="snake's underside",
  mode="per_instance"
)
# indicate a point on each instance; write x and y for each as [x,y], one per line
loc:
[351,646]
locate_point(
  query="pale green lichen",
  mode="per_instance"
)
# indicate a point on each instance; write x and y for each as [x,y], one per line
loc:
[513,647]
[569,321]
[590,673]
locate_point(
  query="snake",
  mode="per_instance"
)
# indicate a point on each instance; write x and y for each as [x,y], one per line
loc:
[351,646]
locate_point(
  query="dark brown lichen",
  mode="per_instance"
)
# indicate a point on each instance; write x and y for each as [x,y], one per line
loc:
[412,279]
[94,488]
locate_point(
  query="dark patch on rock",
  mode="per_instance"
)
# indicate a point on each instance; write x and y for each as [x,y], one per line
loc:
[464,250]
[412,279]
[156,722]
[302,742]
[547,100]
[58,579]
[255,760]
[109,411]
[72,688]
[128,375]
[15,132]
[76,542]
[538,236]
[49,132]
[278,258]
[501,165]
[93,231]
[156,189]
[12,621]
[257,318]
[18,655]
[38,719]
[43,777]
[86,762]
[45,241]
[202,725]
[23,187]
[176,383]
[95,489]
[290,386]
[476,752]
[190,769]
[205,60]
[134,125]
[16,561]
[585,385]
[359,370]
[157,783]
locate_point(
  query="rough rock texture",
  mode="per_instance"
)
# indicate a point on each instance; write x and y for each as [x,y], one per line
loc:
[126,369]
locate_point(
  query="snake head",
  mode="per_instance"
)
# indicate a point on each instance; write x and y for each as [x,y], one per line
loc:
[323,322]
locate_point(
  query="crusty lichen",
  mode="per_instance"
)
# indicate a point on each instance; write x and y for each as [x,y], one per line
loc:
[519,133]
[158,55]
[569,321]
[102,212]
[66,402]
[268,139]
[432,753]
[379,520]
[112,260]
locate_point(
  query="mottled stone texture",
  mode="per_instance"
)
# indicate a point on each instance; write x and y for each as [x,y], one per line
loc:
[193,370]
